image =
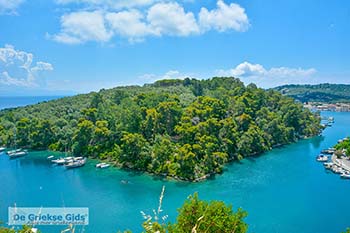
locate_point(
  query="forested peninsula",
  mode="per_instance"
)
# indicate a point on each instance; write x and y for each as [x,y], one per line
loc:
[324,93]
[186,129]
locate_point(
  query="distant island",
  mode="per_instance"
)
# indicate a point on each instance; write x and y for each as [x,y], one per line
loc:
[185,129]
[322,93]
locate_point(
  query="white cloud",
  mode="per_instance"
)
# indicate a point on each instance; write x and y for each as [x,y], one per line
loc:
[160,19]
[115,4]
[82,26]
[224,18]
[9,6]
[171,19]
[275,76]
[129,24]
[17,68]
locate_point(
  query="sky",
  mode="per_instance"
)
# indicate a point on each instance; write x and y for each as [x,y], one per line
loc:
[55,47]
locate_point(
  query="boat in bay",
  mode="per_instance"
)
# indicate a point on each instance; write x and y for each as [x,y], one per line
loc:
[322,158]
[76,163]
[345,175]
[2,149]
[17,153]
[103,165]
[59,161]
[328,151]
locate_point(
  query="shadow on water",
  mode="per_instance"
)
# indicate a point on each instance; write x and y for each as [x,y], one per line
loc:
[317,141]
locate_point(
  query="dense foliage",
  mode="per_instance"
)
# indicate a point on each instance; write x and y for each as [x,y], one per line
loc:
[187,129]
[330,93]
[343,146]
[199,216]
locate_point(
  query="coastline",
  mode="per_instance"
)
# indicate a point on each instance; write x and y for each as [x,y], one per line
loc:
[205,176]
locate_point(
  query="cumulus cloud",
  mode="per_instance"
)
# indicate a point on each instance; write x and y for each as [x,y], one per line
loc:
[82,26]
[9,6]
[129,24]
[17,67]
[225,17]
[171,19]
[159,19]
[115,4]
[274,76]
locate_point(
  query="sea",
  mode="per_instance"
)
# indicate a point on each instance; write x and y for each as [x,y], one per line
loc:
[284,190]
[17,101]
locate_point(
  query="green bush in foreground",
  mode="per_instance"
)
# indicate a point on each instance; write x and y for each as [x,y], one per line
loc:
[197,216]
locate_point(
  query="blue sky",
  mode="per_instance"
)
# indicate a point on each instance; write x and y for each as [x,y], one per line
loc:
[75,46]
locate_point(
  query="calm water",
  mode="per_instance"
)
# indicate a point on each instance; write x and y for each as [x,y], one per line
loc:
[16,101]
[284,190]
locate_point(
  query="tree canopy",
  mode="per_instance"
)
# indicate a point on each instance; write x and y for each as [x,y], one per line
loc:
[187,129]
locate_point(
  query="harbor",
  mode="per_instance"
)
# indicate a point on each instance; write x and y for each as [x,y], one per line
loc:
[339,161]
[303,190]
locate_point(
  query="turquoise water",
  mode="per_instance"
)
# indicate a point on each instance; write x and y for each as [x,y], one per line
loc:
[16,101]
[284,190]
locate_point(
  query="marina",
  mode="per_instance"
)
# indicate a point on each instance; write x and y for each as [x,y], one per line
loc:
[340,163]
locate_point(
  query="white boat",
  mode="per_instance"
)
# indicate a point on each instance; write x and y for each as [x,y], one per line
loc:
[10,152]
[322,158]
[100,164]
[75,164]
[50,157]
[59,161]
[2,149]
[345,175]
[17,154]
[105,166]
[337,170]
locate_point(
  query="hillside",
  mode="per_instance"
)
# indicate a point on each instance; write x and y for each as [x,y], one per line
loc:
[329,93]
[186,129]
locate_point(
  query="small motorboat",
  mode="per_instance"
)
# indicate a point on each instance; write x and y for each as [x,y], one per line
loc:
[59,161]
[105,166]
[328,165]
[75,164]
[50,157]
[322,158]
[18,154]
[345,175]
[2,149]
[337,170]
[10,152]
[102,165]
[328,151]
